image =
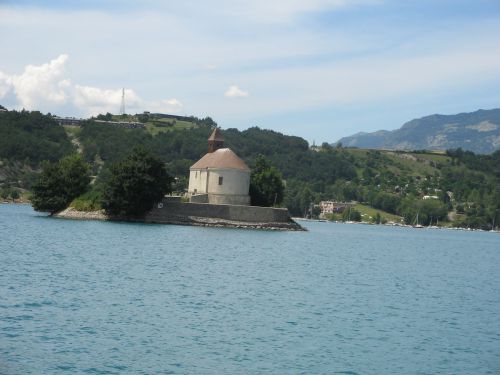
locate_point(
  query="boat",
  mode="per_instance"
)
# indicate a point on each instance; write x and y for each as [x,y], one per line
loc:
[417,225]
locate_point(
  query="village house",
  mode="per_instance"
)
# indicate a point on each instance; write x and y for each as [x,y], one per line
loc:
[332,207]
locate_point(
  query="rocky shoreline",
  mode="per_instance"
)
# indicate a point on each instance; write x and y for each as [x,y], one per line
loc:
[71,213]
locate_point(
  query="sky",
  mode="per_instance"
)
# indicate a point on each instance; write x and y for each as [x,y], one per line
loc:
[319,69]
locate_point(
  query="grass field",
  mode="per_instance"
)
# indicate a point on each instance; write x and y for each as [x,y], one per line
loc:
[368,212]
[157,125]
[72,131]
[435,157]
[415,163]
[165,125]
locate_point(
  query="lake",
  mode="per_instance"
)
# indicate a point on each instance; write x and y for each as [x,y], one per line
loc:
[95,297]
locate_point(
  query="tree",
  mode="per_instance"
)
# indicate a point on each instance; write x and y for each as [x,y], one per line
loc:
[60,183]
[135,184]
[351,214]
[14,194]
[4,193]
[266,185]
[427,210]
[306,197]
[107,117]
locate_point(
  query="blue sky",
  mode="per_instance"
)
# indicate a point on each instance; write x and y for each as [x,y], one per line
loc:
[320,69]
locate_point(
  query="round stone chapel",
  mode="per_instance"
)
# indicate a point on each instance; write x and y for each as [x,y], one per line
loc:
[219,177]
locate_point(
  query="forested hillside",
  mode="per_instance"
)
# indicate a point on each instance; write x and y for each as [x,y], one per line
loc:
[32,137]
[26,140]
[464,187]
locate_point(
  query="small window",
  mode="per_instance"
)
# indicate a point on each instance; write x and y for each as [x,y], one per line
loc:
[195,174]
[220,180]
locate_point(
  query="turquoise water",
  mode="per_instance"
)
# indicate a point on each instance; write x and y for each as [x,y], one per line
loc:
[110,298]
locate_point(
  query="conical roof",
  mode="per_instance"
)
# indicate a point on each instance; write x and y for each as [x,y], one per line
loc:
[223,158]
[216,135]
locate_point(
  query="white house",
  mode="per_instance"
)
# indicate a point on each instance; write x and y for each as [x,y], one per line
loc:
[219,177]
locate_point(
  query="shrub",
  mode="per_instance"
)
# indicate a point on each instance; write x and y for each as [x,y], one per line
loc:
[89,201]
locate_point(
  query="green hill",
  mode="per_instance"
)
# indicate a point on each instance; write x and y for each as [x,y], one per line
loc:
[159,122]
[461,186]
[32,137]
[26,140]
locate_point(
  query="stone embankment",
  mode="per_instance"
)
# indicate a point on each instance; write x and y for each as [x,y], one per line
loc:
[181,219]
[71,213]
[216,222]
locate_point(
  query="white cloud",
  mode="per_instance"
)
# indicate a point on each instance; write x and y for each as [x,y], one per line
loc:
[38,86]
[164,106]
[287,56]
[45,88]
[94,100]
[5,84]
[235,92]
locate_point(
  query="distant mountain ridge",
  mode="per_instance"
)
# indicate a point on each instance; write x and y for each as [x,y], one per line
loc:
[477,131]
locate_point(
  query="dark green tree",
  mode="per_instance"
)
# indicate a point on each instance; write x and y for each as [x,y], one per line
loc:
[351,214]
[4,193]
[428,211]
[59,183]
[107,117]
[14,194]
[135,184]
[266,184]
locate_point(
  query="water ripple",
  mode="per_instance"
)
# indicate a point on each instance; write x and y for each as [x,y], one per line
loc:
[113,298]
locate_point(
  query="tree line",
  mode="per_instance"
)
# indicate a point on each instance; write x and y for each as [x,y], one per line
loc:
[464,183]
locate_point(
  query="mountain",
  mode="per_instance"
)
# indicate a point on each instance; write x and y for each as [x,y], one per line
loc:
[477,131]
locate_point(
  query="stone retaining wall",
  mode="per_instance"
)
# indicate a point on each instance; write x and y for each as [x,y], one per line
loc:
[249,214]
[171,211]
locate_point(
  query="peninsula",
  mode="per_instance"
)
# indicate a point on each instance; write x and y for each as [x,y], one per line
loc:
[218,195]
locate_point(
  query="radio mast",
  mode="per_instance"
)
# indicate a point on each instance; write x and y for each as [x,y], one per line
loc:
[122,106]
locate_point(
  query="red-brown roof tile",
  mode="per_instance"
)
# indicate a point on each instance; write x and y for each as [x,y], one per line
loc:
[221,158]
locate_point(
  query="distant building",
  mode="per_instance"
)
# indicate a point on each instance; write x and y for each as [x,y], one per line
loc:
[331,207]
[430,197]
[68,121]
[123,124]
[72,121]
[219,177]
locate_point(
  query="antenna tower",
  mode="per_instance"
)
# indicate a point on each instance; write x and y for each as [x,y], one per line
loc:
[122,106]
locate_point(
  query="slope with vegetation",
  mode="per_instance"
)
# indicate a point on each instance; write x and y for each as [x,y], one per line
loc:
[26,140]
[463,188]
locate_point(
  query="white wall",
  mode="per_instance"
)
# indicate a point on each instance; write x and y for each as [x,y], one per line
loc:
[198,182]
[240,200]
[234,188]
[234,182]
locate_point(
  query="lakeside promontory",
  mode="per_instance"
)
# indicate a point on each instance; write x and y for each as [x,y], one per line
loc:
[454,188]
